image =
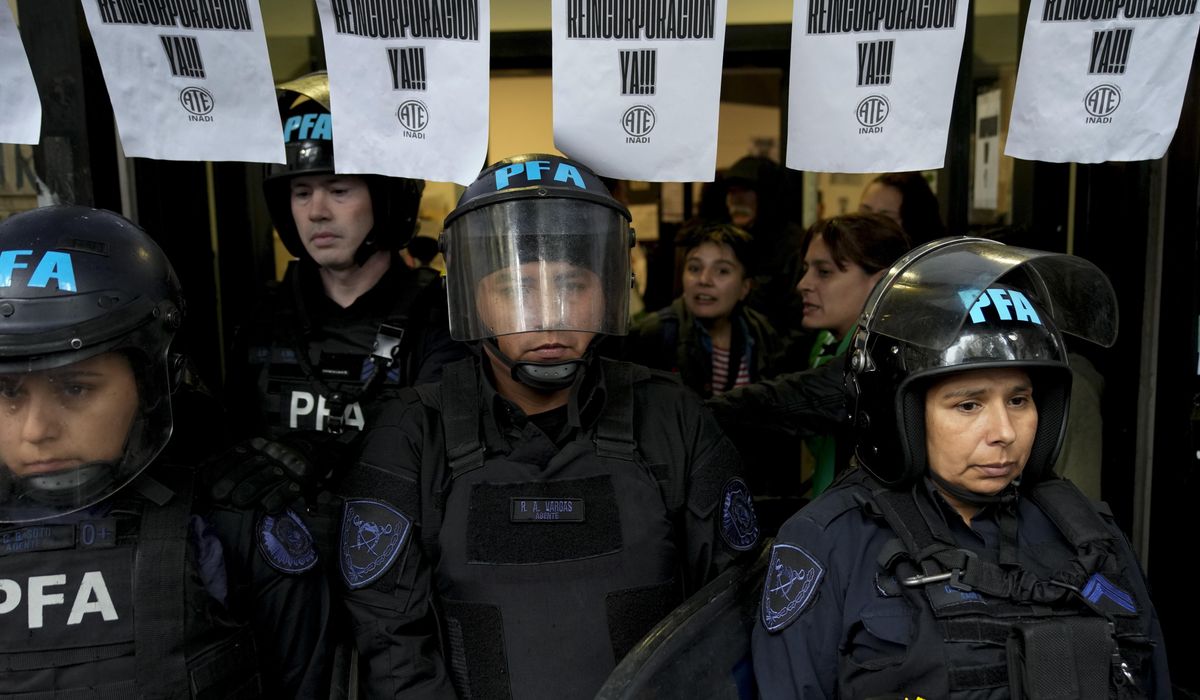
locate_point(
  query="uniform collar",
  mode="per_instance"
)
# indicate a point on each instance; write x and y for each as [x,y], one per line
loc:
[378,299]
[584,402]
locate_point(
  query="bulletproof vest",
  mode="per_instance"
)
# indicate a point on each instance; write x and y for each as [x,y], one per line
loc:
[551,562]
[327,376]
[994,630]
[105,604]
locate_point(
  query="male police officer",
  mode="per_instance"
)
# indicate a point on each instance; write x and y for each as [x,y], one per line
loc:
[552,506]
[110,586]
[350,323]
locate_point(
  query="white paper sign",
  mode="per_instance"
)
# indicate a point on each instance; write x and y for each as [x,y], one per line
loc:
[637,86]
[20,108]
[987,150]
[872,83]
[408,83]
[188,80]
[1101,80]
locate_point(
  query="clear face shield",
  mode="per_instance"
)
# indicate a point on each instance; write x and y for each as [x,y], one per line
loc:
[928,296]
[535,264]
[72,435]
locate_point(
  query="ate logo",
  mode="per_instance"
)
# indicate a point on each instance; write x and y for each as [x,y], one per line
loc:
[871,112]
[638,121]
[1100,102]
[414,117]
[197,101]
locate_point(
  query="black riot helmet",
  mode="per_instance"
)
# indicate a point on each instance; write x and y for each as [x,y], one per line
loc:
[537,243]
[308,147]
[88,307]
[958,304]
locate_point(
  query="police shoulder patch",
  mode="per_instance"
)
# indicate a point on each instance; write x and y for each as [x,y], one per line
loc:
[373,535]
[739,524]
[792,579]
[285,542]
[1108,597]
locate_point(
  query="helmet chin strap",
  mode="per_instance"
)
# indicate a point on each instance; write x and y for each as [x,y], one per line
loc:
[543,376]
[1008,494]
[70,487]
[367,248]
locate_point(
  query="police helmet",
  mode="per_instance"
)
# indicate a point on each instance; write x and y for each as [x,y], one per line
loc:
[537,243]
[958,304]
[308,146]
[88,307]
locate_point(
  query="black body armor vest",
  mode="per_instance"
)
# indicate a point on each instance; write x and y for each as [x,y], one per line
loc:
[551,562]
[994,630]
[107,604]
[325,378]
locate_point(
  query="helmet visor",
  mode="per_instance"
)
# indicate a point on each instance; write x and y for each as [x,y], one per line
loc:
[927,296]
[535,265]
[72,435]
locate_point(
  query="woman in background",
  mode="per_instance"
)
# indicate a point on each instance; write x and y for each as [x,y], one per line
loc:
[906,199]
[843,259]
[707,335]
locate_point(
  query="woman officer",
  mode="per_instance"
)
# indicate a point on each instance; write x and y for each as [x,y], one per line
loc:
[112,583]
[954,563]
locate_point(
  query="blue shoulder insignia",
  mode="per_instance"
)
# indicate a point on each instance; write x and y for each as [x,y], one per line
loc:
[792,578]
[286,544]
[739,524]
[1108,597]
[373,535]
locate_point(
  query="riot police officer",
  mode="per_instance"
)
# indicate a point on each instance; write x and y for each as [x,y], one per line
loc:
[349,324]
[115,581]
[549,505]
[954,563]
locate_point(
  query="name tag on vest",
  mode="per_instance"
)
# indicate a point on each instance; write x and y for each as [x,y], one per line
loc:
[546,510]
[349,368]
[47,538]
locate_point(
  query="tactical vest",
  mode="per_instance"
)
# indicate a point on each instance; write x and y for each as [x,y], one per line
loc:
[994,630]
[105,604]
[550,564]
[326,384]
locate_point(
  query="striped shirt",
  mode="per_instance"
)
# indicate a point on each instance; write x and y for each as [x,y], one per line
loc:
[720,370]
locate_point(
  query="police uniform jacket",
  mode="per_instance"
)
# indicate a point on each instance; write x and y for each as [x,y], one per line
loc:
[836,621]
[505,556]
[302,348]
[140,596]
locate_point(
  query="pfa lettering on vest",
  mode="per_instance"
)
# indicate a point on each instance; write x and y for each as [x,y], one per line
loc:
[66,599]
[91,596]
[310,411]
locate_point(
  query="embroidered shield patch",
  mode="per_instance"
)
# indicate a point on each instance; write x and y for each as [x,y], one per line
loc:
[373,535]
[739,524]
[792,578]
[285,542]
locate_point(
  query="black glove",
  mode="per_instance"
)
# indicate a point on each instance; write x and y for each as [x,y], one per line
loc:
[271,475]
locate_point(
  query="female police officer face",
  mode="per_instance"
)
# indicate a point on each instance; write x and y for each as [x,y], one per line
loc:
[60,419]
[979,429]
